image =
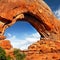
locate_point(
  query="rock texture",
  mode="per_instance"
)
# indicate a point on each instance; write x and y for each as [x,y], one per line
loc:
[2,37]
[44,50]
[36,12]
[40,16]
[5,44]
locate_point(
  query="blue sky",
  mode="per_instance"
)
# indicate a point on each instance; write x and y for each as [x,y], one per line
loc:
[22,34]
[54,4]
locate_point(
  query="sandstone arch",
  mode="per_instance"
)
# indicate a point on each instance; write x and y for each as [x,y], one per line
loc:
[36,12]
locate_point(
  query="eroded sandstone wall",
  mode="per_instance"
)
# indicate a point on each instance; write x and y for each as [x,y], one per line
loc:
[36,12]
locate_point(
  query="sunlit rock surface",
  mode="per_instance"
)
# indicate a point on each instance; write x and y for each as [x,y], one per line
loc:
[5,44]
[40,16]
[44,50]
[36,12]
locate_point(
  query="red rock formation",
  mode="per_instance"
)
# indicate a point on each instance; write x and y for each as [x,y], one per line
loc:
[10,53]
[2,37]
[5,44]
[44,50]
[40,16]
[36,12]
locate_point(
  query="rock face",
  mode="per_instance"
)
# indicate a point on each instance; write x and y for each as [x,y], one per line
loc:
[5,44]
[44,50]
[2,37]
[40,16]
[36,12]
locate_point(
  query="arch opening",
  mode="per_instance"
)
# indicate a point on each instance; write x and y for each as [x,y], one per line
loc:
[22,34]
[37,23]
[37,13]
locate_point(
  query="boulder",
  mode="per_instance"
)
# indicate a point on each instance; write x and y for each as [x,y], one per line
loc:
[5,44]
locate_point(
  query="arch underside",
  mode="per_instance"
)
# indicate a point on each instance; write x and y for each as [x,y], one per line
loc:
[40,26]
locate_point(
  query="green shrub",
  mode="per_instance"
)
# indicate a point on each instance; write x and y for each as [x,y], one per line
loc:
[2,54]
[18,55]
[8,57]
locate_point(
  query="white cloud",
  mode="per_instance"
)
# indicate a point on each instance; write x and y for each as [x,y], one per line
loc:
[9,34]
[23,44]
[57,13]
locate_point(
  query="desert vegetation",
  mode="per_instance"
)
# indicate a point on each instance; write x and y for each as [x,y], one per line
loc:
[17,55]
